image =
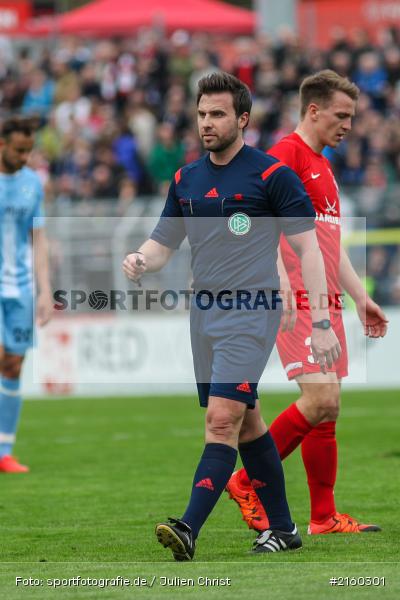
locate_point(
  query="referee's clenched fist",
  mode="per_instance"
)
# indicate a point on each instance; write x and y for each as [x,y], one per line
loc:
[134,266]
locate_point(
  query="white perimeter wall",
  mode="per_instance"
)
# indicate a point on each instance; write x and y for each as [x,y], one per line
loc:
[116,355]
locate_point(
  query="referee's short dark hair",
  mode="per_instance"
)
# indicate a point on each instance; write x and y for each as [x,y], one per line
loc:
[220,81]
[22,125]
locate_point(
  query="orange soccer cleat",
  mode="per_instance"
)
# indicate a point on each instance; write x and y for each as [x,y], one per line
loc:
[340,523]
[249,504]
[8,464]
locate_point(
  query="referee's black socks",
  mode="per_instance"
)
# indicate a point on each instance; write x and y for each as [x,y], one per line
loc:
[261,460]
[213,473]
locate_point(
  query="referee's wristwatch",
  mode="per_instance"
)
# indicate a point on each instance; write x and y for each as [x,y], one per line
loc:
[324,324]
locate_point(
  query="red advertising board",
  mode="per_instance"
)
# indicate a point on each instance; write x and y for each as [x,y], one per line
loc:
[318,18]
[13,15]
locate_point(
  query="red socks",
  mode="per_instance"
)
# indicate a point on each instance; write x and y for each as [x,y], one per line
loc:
[289,429]
[319,451]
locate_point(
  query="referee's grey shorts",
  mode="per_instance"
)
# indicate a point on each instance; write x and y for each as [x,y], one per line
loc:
[231,349]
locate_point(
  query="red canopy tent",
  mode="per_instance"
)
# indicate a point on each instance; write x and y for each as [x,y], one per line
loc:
[109,17]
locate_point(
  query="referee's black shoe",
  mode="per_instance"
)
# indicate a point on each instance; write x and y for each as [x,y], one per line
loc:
[177,536]
[273,540]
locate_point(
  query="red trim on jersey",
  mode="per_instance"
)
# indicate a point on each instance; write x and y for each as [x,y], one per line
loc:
[178,176]
[271,169]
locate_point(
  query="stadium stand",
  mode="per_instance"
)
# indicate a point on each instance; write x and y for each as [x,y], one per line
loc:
[115,120]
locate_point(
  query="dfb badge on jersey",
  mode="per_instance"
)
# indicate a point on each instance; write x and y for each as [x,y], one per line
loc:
[239,223]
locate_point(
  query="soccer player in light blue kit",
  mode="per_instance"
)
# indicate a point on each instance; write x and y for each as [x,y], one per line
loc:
[21,229]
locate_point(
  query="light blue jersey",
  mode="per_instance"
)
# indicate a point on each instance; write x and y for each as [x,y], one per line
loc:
[21,197]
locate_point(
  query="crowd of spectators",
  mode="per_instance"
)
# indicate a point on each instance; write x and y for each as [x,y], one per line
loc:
[116,118]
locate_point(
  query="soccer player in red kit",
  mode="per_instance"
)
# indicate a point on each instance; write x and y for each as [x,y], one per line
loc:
[327,106]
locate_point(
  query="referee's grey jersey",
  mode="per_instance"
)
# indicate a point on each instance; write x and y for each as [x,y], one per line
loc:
[233,217]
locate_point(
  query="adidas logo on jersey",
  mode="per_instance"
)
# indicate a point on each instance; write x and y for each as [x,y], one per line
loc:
[212,193]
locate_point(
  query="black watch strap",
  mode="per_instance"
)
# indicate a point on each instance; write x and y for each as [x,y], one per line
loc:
[324,324]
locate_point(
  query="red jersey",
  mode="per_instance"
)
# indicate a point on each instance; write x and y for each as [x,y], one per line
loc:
[314,170]
[316,174]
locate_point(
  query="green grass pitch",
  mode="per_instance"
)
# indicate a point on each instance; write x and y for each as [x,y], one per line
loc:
[104,471]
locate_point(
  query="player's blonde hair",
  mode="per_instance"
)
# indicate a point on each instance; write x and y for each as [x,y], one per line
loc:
[321,86]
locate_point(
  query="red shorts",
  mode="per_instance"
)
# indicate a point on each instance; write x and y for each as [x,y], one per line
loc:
[294,347]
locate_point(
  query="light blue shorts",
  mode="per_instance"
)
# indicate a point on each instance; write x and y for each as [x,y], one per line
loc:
[16,323]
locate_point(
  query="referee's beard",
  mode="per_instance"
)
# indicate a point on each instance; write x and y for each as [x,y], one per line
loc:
[220,144]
